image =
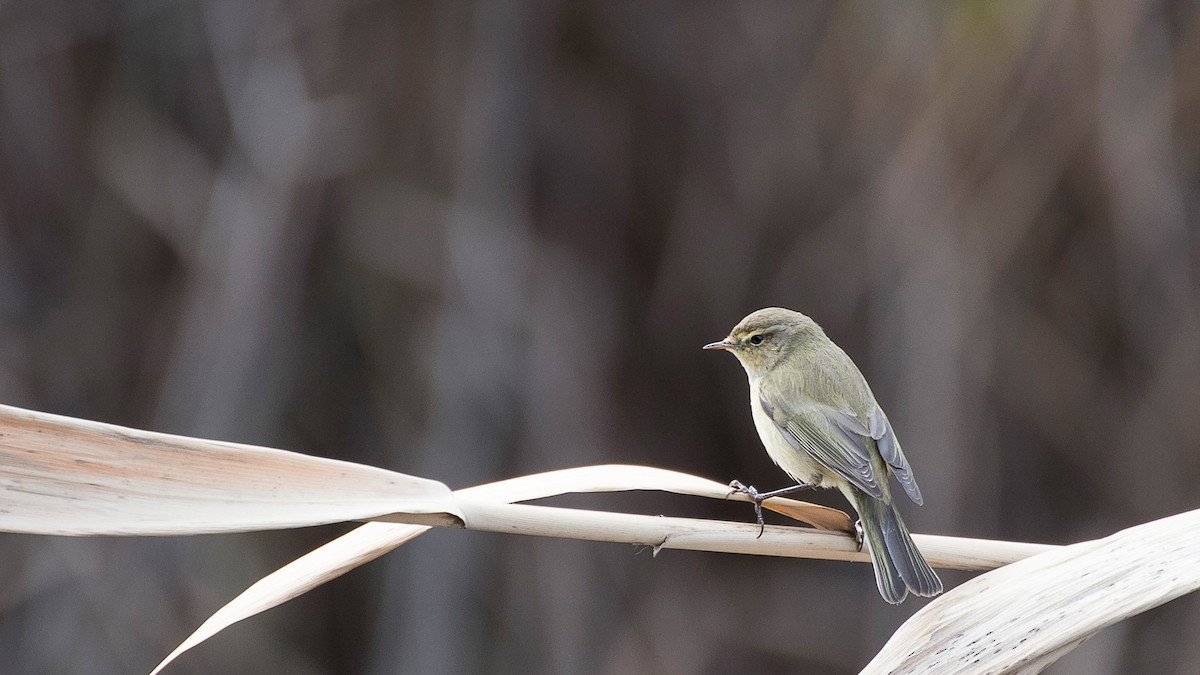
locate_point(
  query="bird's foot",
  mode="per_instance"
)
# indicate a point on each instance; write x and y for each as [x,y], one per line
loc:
[858,534]
[755,496]
[759,497]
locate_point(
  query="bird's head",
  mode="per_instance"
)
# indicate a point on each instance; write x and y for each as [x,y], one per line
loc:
[767,337]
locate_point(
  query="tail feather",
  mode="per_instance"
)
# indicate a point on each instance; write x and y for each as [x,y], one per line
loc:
[899,566]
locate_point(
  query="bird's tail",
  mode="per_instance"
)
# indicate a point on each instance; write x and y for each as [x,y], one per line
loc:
[899,566]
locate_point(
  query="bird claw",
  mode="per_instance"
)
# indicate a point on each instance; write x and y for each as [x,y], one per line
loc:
[859,534]
[756,497]
[759,497]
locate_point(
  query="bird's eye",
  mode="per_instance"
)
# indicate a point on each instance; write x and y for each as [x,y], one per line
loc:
[756,339]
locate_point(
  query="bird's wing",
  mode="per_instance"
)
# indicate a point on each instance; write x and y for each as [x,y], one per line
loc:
[818,430]
[889,448]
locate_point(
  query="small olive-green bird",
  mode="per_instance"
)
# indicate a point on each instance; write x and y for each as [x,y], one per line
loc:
[820,423]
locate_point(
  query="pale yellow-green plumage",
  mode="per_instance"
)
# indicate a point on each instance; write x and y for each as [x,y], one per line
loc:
[820,423]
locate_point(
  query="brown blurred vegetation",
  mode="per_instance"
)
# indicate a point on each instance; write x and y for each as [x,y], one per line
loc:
[471,240]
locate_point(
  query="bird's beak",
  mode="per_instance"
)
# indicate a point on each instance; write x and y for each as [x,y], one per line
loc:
[723,344]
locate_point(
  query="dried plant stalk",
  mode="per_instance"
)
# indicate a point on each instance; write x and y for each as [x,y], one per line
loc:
[60,475]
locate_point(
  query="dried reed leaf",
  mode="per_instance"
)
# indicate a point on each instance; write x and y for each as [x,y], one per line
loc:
[327,562]
[65,476]
[375,539]
[620,477]
[1023,617]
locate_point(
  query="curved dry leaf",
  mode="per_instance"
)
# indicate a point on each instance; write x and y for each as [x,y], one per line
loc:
[621,477]
[65,476]
[357,547]
[375,539]
[1021,618]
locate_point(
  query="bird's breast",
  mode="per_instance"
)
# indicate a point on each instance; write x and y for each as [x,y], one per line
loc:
[797,463]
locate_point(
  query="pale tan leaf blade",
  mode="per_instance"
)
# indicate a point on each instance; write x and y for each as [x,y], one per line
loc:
[1022,617]
[65,476]
[375,539]
[357,547]
[619,477]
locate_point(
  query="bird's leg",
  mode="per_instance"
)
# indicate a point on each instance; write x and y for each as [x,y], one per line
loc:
[859,533]
[758,498]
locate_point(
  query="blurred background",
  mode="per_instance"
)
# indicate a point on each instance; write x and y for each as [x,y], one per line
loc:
[472,240]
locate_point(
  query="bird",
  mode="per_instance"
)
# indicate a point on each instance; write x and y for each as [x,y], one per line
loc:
[820,423]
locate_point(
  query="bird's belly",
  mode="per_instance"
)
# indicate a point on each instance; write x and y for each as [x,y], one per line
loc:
[797,463]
